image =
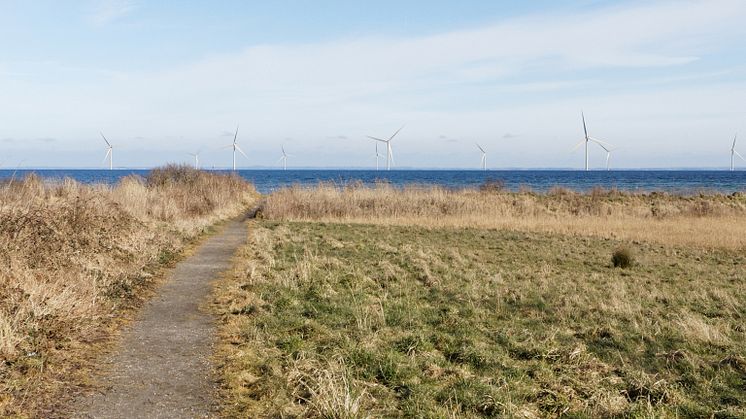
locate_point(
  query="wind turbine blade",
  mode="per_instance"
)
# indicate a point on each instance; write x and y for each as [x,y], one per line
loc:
[236,135]
[377,139]
[480,148]
[733,147]
[241,151]
[107,141]
[596,140]
[600,144]
[578,145]
[108,153]
[585,129]
[397,131]
[739,155]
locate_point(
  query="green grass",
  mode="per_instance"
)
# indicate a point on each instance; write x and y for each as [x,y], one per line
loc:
[334,320]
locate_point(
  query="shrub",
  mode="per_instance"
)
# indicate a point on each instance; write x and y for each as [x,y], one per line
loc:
[172,174]
[622,258]
[492,185]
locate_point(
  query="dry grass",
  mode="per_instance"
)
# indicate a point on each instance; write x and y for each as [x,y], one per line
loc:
[73,257]
[702,220]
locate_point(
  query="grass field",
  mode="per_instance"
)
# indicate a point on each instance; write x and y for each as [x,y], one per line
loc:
[75,259]
[409,316]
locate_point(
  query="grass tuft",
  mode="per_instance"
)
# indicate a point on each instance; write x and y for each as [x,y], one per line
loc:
[622,257]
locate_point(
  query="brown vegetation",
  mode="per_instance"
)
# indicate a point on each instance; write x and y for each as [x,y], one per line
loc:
[704,220]
[73,257]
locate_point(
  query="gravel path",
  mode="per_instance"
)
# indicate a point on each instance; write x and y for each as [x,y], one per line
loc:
[163,367]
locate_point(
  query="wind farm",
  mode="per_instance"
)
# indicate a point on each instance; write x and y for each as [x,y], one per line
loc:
[587,141]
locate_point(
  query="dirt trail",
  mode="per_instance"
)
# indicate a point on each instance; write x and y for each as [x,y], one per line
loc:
[163,367]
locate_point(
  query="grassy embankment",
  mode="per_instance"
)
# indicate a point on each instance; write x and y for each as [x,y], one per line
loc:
[75,258]
[431,303]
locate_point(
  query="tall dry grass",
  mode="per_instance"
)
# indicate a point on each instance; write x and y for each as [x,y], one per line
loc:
[73,256]
[712,220]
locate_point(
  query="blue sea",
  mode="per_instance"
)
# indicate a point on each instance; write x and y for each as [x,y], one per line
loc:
[682,182]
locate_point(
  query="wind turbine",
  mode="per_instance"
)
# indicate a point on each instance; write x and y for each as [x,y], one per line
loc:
[377,156]
[196,159]
[109,152]
[483,162]
[284,158]
[734,153]
[389,151]
[235,148]
[588,139]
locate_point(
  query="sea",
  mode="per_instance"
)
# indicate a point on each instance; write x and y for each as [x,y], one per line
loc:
[266,181]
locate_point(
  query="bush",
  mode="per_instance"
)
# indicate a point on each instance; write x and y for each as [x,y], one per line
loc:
[492,185]
[179,174]
[622,258]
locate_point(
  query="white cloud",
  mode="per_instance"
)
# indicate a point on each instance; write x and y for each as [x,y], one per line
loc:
[107,11]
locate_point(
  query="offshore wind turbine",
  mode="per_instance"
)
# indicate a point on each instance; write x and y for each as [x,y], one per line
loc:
[483,162]
[588,139]
[109,152]
[377,156]
[389,151]
[734,153]
[196,159]
[284,158]
[235,148]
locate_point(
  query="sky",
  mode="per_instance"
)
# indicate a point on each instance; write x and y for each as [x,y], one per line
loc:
[663,82]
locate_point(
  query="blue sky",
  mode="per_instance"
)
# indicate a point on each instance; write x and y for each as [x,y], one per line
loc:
[663,81]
